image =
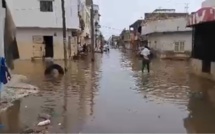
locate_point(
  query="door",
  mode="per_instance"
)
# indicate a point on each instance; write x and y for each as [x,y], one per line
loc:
[69,46]
[38,47]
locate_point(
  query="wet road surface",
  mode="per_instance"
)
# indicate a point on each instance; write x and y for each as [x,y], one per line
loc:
[112,96]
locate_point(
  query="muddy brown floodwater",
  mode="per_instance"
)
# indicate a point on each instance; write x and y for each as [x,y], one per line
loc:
[113,96]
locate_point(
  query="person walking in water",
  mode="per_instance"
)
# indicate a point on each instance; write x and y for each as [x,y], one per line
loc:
[145,58]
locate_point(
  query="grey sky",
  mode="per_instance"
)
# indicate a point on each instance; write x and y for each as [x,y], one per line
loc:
[119,14]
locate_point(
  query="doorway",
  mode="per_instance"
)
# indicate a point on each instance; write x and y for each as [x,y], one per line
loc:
[49,46]
[206,66]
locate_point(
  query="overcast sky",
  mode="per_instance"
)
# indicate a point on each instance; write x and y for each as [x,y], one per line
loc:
[119,14]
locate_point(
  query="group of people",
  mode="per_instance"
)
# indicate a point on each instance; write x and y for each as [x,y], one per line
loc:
[146,55]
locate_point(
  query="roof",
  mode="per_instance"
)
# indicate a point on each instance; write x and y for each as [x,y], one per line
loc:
[153,16]
[137,23]
[203,15]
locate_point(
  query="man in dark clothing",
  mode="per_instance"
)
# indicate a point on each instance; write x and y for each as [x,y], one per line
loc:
[84,48]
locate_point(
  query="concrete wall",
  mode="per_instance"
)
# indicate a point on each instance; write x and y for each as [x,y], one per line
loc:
[2,21]
[167,25]
[26,13]
[163,44]
[25,42]
[196,68]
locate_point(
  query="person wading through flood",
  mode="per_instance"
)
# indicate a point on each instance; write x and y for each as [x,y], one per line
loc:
[145,58]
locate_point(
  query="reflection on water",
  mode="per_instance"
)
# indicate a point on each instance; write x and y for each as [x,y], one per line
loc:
[10,119]
[112,95]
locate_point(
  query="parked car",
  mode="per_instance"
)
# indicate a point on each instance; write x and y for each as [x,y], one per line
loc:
[106,48]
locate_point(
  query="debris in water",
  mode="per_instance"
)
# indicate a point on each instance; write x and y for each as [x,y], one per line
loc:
[44,116]
[26,106]
[43,123]
[59,124]
[28,130]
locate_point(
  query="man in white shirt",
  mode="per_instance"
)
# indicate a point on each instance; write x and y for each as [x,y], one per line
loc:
[145,61]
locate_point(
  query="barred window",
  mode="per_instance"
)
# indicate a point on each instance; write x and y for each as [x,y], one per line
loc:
[179,46]
[46,6]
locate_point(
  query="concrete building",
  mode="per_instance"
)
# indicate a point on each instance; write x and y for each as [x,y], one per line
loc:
[39,27]
[125,38]
[169,38]
[97,26]
[136,30]
[2,21]
[160,14]
[203,25]
[84,15]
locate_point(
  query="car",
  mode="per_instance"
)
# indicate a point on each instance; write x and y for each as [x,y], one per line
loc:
[106,48]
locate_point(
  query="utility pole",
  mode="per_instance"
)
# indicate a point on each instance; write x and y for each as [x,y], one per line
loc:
[64,33]
[186,7]
[92,33]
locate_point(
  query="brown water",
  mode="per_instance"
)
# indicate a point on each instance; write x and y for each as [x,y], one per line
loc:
[113,96]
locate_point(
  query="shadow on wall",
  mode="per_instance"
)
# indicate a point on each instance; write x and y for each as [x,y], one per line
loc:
[10,43]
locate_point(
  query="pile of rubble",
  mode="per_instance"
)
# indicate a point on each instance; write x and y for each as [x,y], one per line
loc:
[16,88]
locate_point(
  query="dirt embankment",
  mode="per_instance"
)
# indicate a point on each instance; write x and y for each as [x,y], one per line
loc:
[15,89]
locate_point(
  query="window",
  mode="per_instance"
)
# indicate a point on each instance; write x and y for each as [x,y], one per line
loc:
[46,6]
[3,4]
[179,46]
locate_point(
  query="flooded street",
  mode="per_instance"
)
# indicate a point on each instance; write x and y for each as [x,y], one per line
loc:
[113,96]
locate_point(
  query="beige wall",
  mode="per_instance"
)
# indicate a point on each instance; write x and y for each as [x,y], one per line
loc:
[25,42]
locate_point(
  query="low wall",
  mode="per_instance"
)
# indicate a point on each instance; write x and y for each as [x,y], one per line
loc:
[196,68]
[174,55]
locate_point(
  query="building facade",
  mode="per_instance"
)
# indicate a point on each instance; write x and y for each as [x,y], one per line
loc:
[125,38]
[84,15]
[169,38]
[97,26]
[203,25]
[2,21]
[39,27]
[136,30]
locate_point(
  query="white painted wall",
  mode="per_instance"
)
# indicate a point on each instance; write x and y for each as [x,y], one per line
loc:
[2,22]
[165,42]
[85,13]
[87,20]
[167,25]
[27,13]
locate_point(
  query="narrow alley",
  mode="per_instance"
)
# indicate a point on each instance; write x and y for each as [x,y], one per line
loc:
[113,96]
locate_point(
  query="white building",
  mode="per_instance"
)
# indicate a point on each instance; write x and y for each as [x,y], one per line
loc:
[84,12]
[2,22]
[97,26]
[39,27]
[169,37]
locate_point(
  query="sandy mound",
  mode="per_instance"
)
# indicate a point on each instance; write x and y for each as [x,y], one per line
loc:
[16,89]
